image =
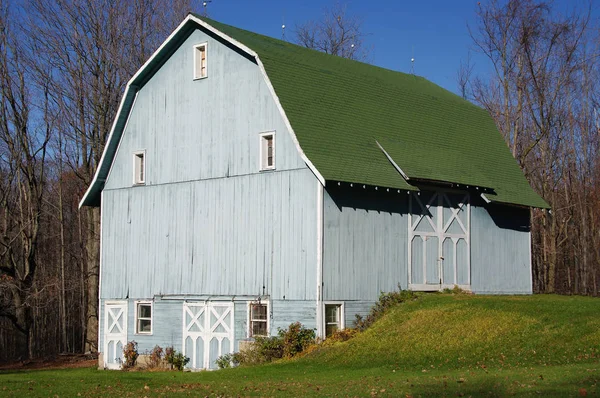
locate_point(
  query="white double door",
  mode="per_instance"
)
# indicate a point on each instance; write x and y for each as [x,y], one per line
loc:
[207,332]
[438,250]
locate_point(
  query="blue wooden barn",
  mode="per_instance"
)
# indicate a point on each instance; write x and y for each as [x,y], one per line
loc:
[248,183]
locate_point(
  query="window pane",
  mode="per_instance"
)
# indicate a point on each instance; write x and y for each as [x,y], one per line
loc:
[144,311]
[144,325]
[330,329]
[259,328]
[331,313]
[259,311]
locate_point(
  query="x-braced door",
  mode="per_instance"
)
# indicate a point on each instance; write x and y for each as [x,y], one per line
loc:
[115,333]
[438,250]
[207,332]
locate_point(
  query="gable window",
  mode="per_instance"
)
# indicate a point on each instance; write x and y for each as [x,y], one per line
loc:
[139,168]
[258,320]
[267,151]
[334,318]
[200,61]
[143,317]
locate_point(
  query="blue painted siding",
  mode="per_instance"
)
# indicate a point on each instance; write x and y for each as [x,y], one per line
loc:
[245,235]
[500,251]
[286,312]
[365,243]
[353,308]
[202,129]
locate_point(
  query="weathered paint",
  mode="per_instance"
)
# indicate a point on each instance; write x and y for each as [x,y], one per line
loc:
[202,129]
[245,235]
[500,251]
[364,244]
[167,319]
[207,221]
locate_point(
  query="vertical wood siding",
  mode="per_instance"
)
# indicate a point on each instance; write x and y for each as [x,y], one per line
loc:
[365,243]
[207,221]
[500,252]
[246,235]
[202,129]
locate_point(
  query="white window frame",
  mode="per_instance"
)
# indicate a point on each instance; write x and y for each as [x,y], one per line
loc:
[136,325]
[136,156]
[249,312]
[196,60]
[342,315]
[263,153]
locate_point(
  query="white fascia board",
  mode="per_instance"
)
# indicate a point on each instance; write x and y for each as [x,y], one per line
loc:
[252,53]
[127,88]
[404,175]
[485,198]
[106,146]
[236,44]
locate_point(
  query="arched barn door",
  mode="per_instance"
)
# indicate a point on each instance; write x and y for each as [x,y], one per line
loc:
[438,250]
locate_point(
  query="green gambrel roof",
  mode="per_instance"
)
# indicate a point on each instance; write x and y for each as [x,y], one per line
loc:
[358,123]
[340,109]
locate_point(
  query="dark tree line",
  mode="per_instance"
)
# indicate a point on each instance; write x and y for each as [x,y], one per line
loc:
[544,96]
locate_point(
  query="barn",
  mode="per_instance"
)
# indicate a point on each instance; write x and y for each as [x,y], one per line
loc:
[248,183]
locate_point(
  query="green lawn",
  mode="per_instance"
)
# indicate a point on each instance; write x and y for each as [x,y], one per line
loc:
[438,345]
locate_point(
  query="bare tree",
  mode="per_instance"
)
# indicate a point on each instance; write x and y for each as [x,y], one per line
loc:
[23,164]
[338,32]
[542,95]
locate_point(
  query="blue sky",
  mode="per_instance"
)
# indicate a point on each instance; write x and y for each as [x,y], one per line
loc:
[435,31]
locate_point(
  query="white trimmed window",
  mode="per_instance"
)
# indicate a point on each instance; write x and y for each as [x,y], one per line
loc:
[258,319]
[200,61]
[139,168]
[334,318]
[267,151]
[143,317]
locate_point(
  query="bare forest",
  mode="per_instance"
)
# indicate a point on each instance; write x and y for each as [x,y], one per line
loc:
[64,65]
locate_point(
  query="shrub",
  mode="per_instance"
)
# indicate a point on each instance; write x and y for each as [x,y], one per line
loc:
[455,290]
[130,353]
[386,301]
[296,339]
[175,358]
[287,344]
[155,357]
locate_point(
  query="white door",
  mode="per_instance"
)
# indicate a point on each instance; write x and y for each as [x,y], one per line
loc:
[115,333]
[438,250]
[207,332]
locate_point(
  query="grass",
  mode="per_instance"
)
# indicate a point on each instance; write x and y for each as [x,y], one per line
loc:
[438,345]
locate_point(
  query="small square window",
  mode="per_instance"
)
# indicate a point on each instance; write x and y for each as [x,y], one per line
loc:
[259,325]
[200,61]
[267,151]
[143,318]
[139,168]
[333,318]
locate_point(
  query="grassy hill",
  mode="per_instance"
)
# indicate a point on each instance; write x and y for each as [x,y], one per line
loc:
[437,345]
[457,331]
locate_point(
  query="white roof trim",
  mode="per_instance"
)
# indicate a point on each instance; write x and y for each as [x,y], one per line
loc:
[238,45]
[485,198]
[392,162]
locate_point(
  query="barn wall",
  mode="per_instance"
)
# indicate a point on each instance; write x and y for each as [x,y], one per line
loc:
[207,221]
[245,235]
[202,129]
[365,243]
[500,250]
[167,321]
